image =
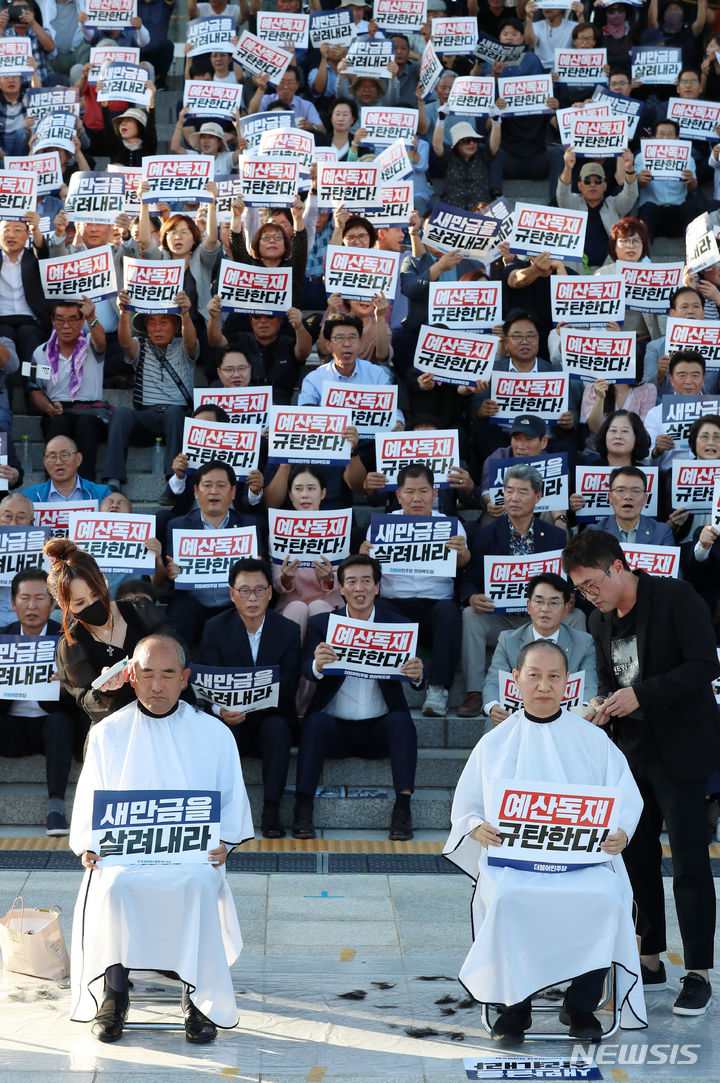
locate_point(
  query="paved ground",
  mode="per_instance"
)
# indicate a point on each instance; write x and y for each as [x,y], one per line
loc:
[394,942]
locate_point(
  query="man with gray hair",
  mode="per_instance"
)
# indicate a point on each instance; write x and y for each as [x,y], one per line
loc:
[518,532]
[16,509]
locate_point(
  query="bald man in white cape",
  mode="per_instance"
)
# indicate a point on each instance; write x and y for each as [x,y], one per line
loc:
[536,929]
[178,917]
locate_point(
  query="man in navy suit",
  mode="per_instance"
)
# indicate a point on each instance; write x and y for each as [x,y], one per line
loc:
[519,532]
[548,601]
[47,727]
[248,636]
[351,716]
[628,492]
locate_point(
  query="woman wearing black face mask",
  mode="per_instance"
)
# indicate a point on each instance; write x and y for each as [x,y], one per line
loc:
[97,631]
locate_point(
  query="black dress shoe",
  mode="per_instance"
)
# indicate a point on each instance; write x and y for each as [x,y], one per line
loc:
[510,1026]
[270,825]
[198,1028]
[303,827]
[583,1025]
[401,829]
[107,1025]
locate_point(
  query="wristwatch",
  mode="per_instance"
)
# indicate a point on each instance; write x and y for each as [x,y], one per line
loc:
[95,322]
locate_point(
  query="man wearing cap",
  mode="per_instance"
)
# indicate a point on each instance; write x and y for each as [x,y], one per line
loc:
[467,165]
[528,439]
[209,142]
[163,355]
[603,212]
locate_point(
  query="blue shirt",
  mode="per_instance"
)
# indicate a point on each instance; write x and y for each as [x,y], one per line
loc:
[363,373]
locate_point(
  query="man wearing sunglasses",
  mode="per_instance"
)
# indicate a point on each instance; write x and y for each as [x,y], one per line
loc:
[603,211]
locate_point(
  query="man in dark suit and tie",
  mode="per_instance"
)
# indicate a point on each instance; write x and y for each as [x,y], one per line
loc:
[249,636]
[351,716]
[656,658]
[46,727]
[627,495]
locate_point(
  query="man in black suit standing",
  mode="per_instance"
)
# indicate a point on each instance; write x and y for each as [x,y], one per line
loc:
[351,716]
[656,657]
[31,727]
[248,636]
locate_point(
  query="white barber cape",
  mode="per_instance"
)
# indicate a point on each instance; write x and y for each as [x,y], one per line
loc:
[174,917]
[535,929]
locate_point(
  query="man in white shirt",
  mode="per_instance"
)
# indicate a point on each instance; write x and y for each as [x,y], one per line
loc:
[24,315]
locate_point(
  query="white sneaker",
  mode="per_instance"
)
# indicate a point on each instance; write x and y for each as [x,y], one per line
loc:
[436,701]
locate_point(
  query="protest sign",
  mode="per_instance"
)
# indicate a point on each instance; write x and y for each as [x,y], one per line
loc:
[465,304]
[205,98]
[289,143]
[260,58]
[229,187]
[210,35]
[655,66]
[15,55]
[27,664]
[437,449]
[601,137]
[509,1067]
[697,119]
[110,54]
[155,827]
[715,520]
[153,284]
[455,357]
[580,67]
[578,299]
[334,27]
[599,355]
[369,56]
[236,445]
[175,178]
[95,197]
[560,233]
[679,411]
[325,154]
[490,50]
[56,132]
[116,542]
[359,273]
[430,70]
[373,651]
[44,101]
[21,548]
[553,470]
[89,274]
[618,103]
[355,184]
[592,483]
[566,118]
[110,14]
[648,287]
[701,247]
[552,827]
[46,167]
[666,158]
[654,559]
[511,700]
[385,126]
[283,28]
[693,483]
[308,434]
[243,405]
[393,164]
[506,577]
[252,126]
[702,335]
[268,182]
[18,194]
[450,230]
[400,16]
[414,544]
[132,176]
[542,393]
[245,690]
[124,83]
[455,36]
[206,556]
[308,535]
[246,288]
[471,96]
[55,515]
[525,95]
[396,205]
[372,407]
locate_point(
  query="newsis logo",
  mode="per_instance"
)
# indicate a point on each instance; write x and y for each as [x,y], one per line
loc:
[638,1053]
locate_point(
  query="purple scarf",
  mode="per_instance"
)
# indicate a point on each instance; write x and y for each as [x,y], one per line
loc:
[77,360]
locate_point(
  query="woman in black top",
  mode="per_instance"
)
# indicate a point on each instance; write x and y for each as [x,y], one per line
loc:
[97,631]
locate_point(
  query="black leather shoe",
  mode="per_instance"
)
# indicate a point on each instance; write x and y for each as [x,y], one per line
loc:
[583,1025]
[401,829]
[107,1025]
[198,1028]
[270,825]
[511,1026]
[303,827]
